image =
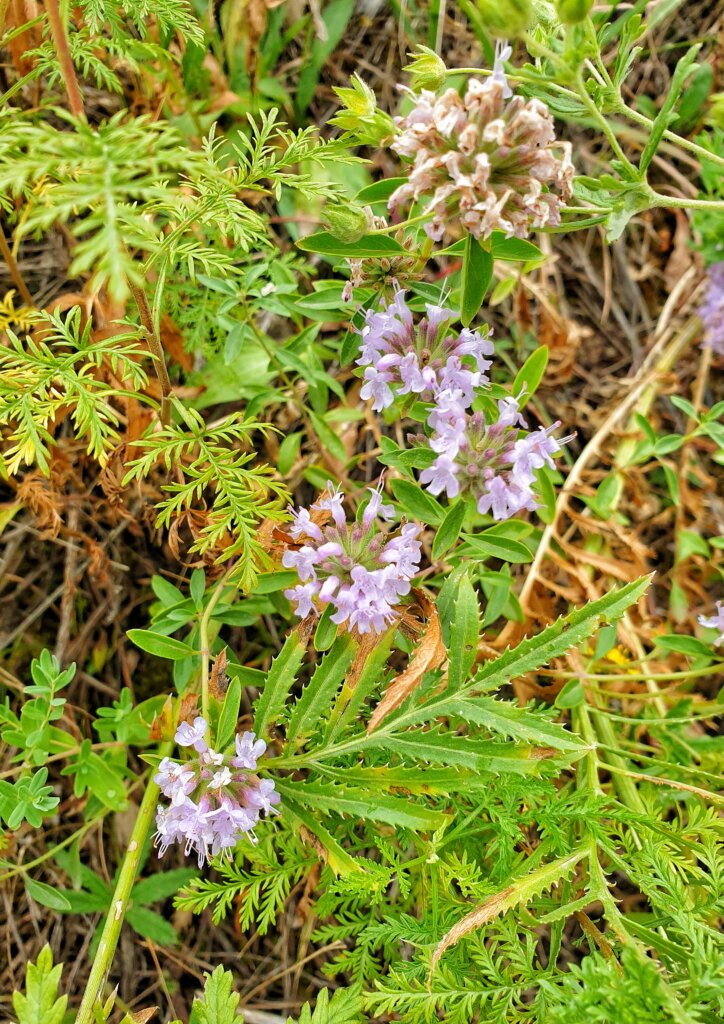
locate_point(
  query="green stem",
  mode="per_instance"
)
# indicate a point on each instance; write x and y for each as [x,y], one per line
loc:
[679,140]
[675,202]
[120,900]
[419,219]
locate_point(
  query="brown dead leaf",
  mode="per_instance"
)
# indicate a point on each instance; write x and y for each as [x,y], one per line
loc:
[162,726]
[486,912]
[218,679]
[173,343]
[35,493]
[429,655]
[187,710]
[143,1016]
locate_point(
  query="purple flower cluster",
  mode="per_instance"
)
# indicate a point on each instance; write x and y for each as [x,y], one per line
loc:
[401,358]
[214,799]
[712,310]
[357,568]
[494,462]
[715,622]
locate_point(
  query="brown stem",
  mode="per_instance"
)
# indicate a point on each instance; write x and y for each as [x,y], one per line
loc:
[62,49]
[156,348]
[14,271]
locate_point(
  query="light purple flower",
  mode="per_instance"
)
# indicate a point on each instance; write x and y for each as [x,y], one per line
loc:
[715,622]
[357,568]
[712,309]
[248,751]
[193,735]
[490,461]
[216,799]
[400,357]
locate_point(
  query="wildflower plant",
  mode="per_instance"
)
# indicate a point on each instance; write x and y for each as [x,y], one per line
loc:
[348,487]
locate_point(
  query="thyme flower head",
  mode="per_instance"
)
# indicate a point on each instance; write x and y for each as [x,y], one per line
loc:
[494,462]
[356,567]
[715,622]
[215,800]
[712,309]
[402,358]
[490,163]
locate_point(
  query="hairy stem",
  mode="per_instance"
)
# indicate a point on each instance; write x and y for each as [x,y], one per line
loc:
[120,901]
[156,348]
[62,49]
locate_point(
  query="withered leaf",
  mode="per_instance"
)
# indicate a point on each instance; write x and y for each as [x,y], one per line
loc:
[429,655]
[218,679]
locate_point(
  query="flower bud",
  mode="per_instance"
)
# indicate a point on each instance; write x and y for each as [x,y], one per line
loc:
[572,11]
[426,69]
[506,19]
[346,222]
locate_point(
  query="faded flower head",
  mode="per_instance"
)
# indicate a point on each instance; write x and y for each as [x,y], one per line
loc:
[356,567]
[215,800]
[403,358]
[495,462]
[490,163]
[712,310]
[715,622]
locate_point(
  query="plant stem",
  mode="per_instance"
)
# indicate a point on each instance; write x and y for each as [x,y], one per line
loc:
[156,349]
[12,266]
[62,49]
[120,900]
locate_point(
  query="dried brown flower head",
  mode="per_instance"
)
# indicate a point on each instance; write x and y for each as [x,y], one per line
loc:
[491,164]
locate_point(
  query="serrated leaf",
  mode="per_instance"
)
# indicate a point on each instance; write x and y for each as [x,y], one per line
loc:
[518,891]
[279,680]
[316,698]
[357,803]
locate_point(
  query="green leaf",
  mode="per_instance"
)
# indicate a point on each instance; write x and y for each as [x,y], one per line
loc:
[569,631]
[160,646]
[329,438]
[338,859]
[378,191]
[326,631]
[279,680]
[369,246]
[531,374]
[46,895]
[357,803]
[150,925]
[218,1003]
[345,1007]
[161,885]
[476,275]
[514,249]
[418,503]
[464,635]
[229,714]
[571,695]
[486,545]
[41,1004]
[449,530]
[479,756]
[666,115]
[688,645]
[316,698]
